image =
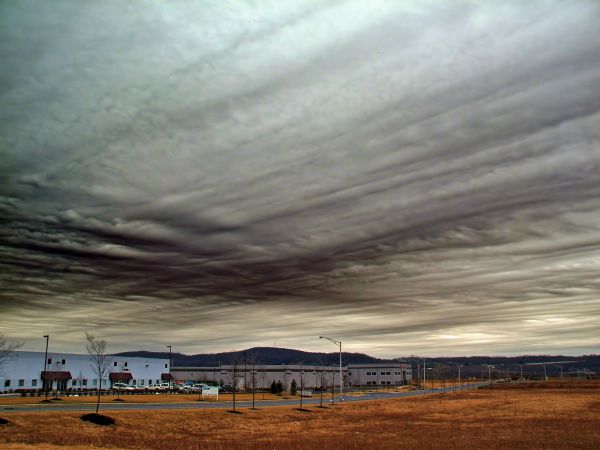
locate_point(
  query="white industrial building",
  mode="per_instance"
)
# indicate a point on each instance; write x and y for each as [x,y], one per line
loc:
[264,375]
[379,374]
[63,371]
[390,374]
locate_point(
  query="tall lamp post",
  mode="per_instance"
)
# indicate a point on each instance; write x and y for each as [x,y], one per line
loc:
[489,368]
[458,365]
[341,379]
[170,363]
[424,369]
[45,380]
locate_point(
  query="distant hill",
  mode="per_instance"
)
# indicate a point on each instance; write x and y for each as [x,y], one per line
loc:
[472,366]
[266,355]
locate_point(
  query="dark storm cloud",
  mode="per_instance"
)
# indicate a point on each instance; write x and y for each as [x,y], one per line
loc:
[410,177]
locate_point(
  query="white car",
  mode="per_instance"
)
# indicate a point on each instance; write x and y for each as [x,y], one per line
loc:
[122,387]
[189,388]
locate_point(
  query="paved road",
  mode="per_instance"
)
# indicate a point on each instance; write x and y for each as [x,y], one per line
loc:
[241,405]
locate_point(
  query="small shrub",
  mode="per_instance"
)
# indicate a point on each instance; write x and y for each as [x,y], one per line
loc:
[293,388]
[3,421]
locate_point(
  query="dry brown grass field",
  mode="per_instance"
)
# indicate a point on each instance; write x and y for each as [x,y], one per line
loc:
[555,415]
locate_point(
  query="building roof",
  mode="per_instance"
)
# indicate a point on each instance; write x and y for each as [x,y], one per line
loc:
[120,376]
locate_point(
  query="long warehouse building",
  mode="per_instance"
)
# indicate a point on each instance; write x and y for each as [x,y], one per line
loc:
[310,376]
[62,371]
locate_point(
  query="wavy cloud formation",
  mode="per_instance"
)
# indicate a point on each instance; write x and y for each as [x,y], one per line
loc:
[410,177]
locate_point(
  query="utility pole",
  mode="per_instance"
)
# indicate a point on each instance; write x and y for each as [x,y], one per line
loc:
[458,365]
[45,380]
[521,367]
[170,364]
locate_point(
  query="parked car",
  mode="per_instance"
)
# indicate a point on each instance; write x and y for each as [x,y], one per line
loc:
[190,388]
[162,386]
[122,387]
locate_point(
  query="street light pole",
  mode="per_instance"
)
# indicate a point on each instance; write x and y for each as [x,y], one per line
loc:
[170,364]
[341,378]
[521,367]
[489,367]
[419,371]
[458,365]
[45,380]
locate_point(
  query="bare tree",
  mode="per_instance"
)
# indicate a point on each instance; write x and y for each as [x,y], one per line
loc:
[99,360]
[6,348]
[253,363]
[263,376]
[301,383]
[322,376]
[235,363]
[286,375]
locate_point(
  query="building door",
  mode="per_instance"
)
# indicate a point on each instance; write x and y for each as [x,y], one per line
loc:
[61,385]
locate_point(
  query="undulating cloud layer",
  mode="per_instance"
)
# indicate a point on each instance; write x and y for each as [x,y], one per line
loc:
[408,177]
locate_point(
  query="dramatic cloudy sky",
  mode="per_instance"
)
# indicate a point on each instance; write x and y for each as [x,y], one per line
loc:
[406,176]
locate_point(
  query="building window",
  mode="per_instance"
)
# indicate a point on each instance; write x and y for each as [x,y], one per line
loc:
[21,383]
[134,382]
[166,366]
[49,360]
[6,383]
[63,362]
[84,382]
[115,364]
[157,381]
[74,383]
[95,382]
[33,383]
[125,363]
[141,382]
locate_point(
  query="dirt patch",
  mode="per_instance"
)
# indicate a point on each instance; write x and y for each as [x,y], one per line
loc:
[98,419]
